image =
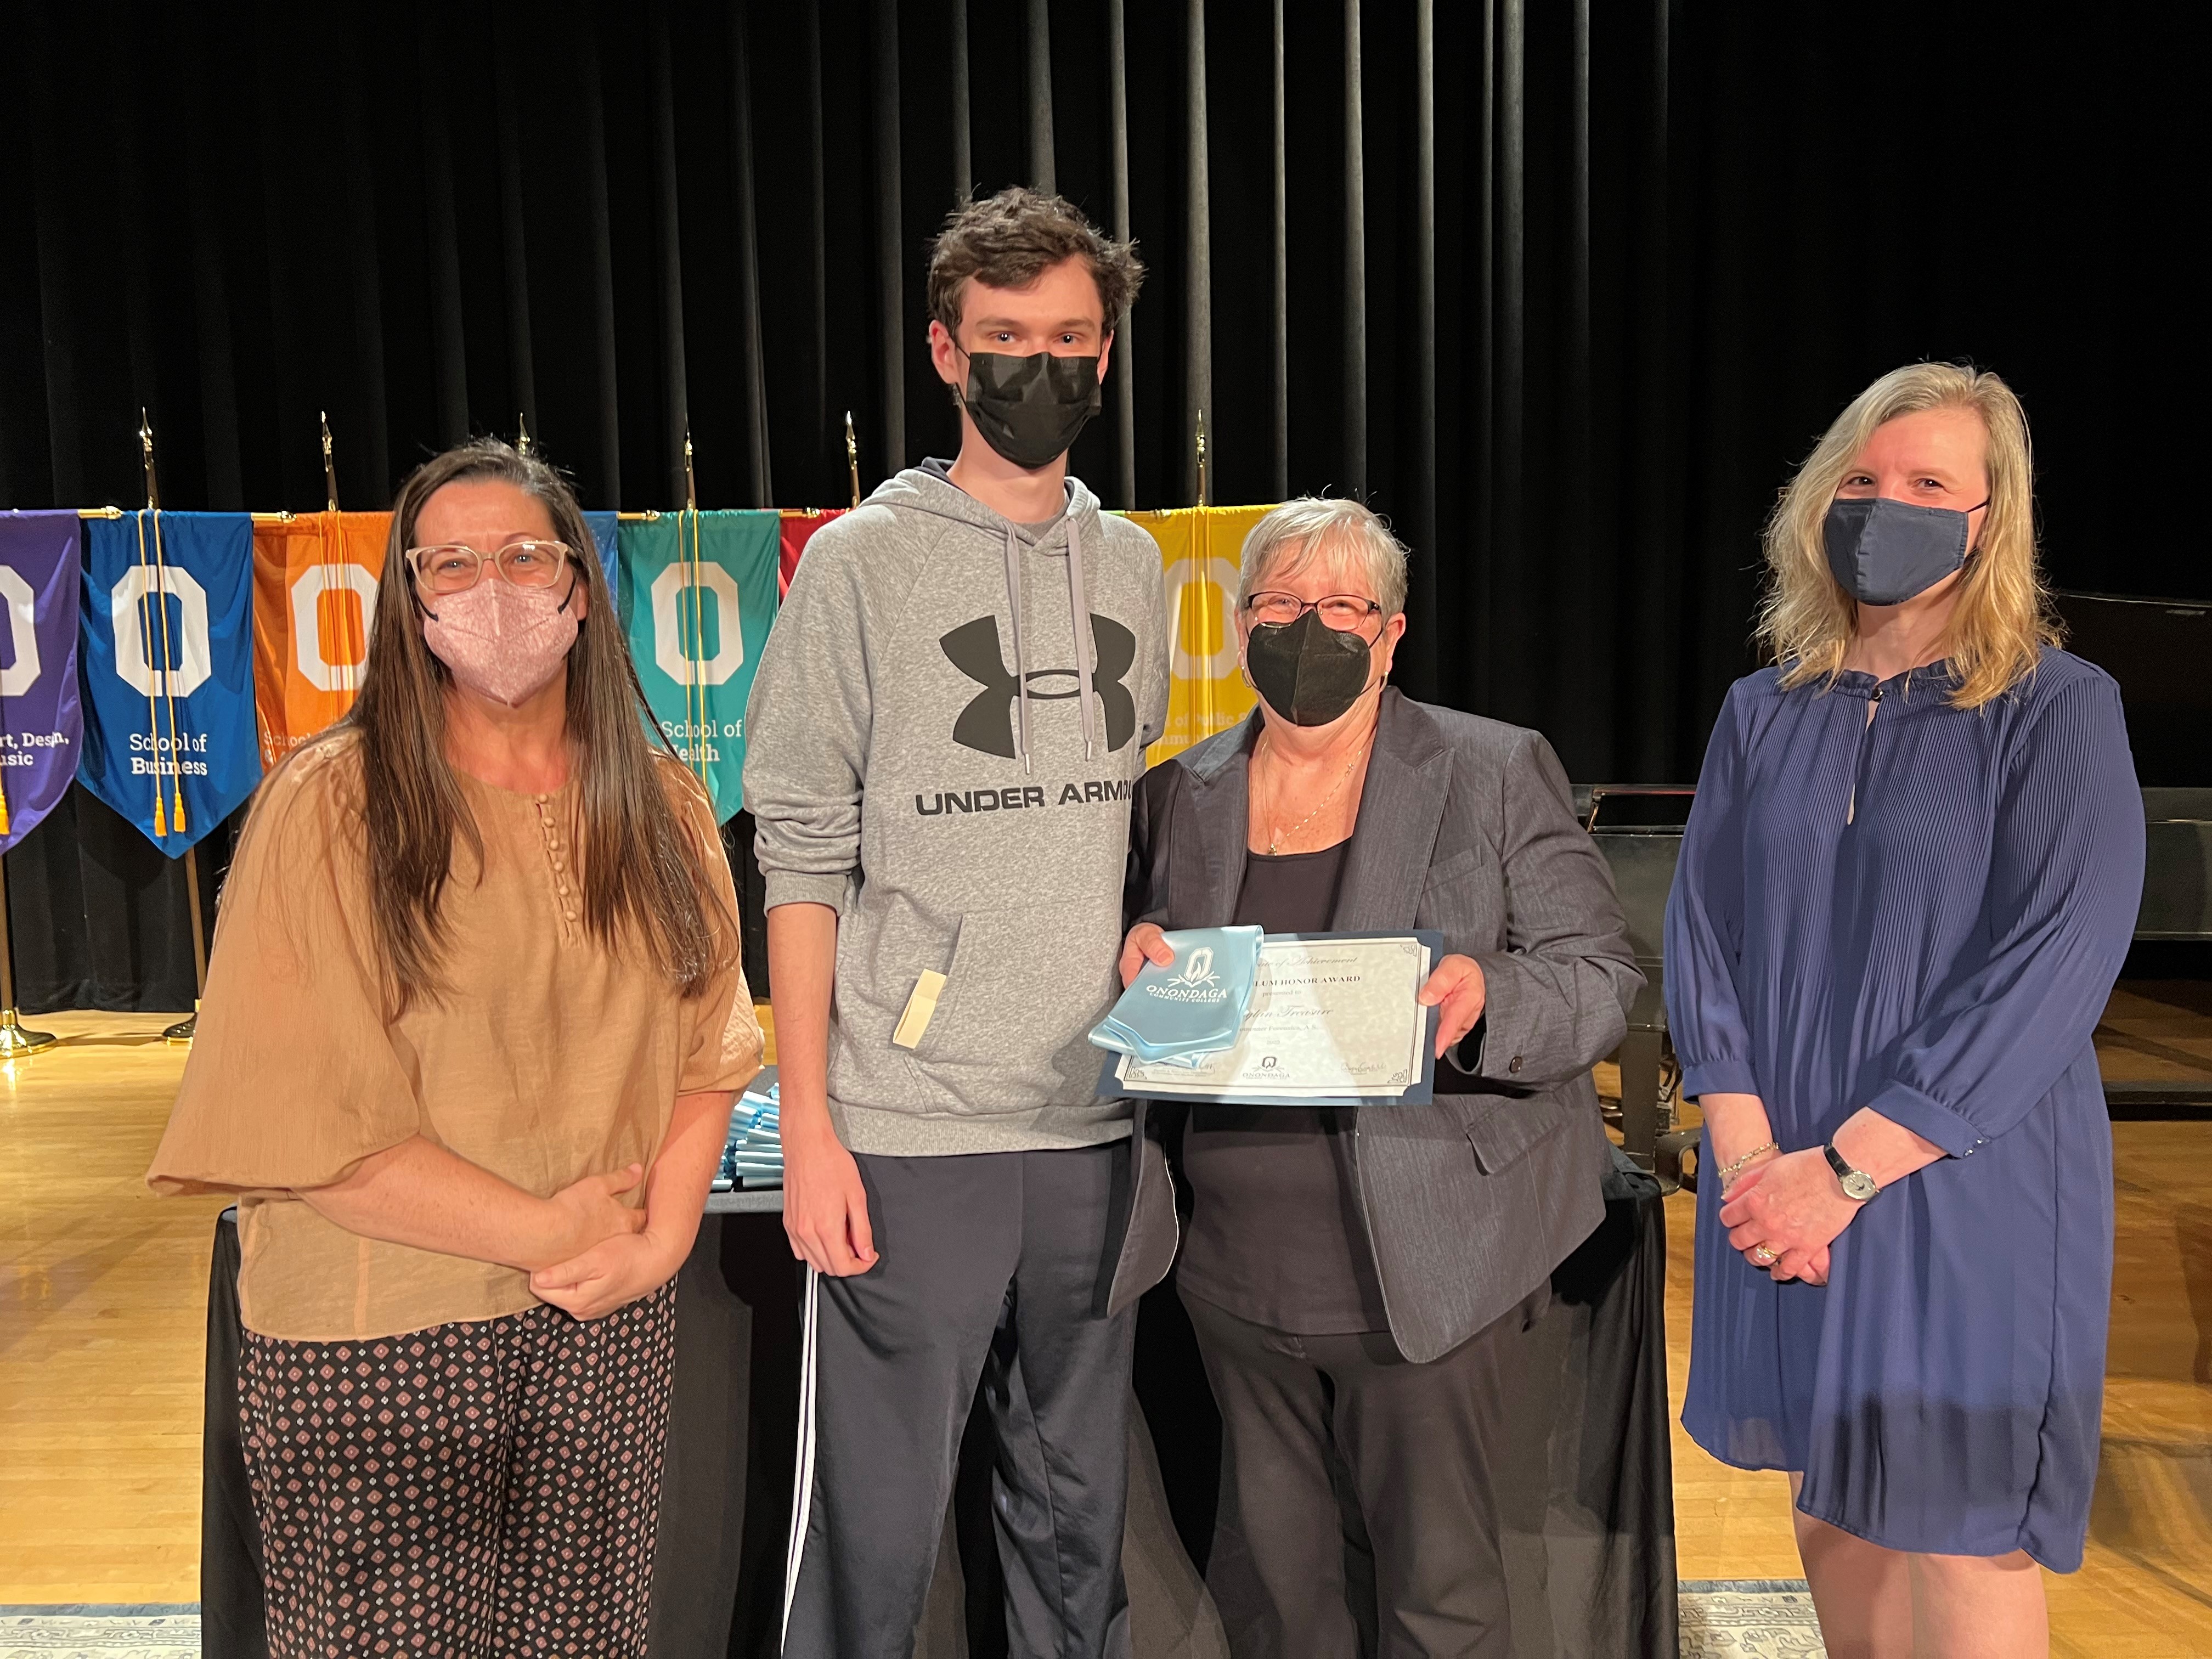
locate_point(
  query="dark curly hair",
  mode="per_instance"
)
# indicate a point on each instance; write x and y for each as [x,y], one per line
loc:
[1010,239]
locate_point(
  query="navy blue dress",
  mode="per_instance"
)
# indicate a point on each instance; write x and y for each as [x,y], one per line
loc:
[1923,914]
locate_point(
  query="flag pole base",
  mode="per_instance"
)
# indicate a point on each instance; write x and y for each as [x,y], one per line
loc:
[15,1041]
[180,1034]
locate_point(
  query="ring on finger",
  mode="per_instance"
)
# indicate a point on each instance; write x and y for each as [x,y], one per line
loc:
[1765,1255]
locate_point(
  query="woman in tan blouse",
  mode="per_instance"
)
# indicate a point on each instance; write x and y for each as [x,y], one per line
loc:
[472,1025]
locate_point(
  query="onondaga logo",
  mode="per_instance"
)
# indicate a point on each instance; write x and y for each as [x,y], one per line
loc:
[1197,982]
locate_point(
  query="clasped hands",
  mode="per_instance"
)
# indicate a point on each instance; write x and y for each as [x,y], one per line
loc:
[609,1254]
[1783,1212]
[1455,986]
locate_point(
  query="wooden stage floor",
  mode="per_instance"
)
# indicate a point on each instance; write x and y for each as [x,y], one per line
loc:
[103,1311]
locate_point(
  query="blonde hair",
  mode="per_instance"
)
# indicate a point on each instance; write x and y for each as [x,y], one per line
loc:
[2003,619]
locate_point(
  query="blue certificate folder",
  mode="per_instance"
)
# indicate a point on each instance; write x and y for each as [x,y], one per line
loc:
[1421,1093]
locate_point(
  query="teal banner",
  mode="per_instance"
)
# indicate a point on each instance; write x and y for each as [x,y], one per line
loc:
[698,595]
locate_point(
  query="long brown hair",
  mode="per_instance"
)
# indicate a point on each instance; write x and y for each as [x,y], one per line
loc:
[644,874]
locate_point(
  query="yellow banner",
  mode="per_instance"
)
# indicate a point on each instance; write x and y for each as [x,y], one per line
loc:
[314,600]
[1202,549]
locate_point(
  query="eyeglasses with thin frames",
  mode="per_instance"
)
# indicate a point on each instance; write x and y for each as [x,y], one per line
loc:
[1347,613]
[450,567]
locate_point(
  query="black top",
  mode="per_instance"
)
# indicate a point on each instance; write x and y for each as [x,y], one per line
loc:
[1275,1233]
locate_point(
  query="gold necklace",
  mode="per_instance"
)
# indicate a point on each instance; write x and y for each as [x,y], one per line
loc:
[1276,838]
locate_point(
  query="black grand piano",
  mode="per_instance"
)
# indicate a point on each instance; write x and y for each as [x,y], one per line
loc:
[2160,651]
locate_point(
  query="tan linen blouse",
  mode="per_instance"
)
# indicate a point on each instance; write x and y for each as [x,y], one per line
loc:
[548,1058]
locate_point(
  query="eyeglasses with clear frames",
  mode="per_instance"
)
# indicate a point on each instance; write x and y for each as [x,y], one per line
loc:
[452,567]
[1347,613]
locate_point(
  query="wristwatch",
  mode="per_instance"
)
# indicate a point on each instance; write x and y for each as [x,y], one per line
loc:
[1857,1183]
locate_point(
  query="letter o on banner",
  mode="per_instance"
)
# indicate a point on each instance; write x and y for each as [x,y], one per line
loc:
[1186,579]
[668,653]
[20,675]
[310,653]
[136,605]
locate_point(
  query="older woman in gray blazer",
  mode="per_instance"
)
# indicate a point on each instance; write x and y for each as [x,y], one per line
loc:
[1362,1280]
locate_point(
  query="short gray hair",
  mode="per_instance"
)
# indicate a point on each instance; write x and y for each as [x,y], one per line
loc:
[1318,526]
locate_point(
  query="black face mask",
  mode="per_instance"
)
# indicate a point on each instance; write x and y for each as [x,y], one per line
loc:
[1030,409]
[1309,673]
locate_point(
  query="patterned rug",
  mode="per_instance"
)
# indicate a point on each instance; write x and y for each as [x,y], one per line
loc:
[1722,1618]
[84,1630]
[1749,1619]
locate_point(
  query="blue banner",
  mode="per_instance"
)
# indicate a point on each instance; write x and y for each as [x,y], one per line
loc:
[41,725]
[607,531]
[698,594]
[168,666]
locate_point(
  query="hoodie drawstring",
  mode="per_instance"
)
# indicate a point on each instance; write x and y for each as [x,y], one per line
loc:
[1079,607]
[1021,663]
[1085,647]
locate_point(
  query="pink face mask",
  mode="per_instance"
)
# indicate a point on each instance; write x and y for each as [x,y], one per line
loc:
[502,641]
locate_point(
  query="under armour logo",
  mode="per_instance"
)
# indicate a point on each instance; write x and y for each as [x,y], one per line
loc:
[987,724]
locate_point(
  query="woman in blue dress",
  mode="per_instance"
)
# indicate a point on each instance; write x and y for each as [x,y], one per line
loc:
[1907,886]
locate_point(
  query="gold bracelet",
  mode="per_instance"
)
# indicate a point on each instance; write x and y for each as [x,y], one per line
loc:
[1729,1172]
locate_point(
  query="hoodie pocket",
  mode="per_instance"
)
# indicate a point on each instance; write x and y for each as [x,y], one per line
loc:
[1016,1000]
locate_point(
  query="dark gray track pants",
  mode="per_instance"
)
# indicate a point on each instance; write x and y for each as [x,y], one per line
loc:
[991,1266]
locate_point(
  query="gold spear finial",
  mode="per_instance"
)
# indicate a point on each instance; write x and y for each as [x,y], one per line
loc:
[146,454]
[523,441]
[330,469]
[853,456]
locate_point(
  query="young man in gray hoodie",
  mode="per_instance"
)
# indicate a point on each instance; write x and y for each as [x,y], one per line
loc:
[942,737]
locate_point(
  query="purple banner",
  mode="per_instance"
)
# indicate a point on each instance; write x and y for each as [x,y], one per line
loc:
[41,724]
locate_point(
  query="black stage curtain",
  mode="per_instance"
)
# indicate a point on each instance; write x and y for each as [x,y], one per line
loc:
[100,917]
[1563,288]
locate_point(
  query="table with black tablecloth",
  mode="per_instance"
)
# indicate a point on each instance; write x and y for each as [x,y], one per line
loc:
[1588,1507]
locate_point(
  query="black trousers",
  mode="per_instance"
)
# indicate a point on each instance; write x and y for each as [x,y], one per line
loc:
[990,1268]
[1358,1506]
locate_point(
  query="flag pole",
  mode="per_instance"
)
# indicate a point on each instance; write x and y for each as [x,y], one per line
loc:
[146,634]
[694,660]
[181,1032]
[853,458]
[1201,458]
[168,657]
[14,1040]
[334,587]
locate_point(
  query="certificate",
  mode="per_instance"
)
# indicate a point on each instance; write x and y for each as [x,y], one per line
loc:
[1332,1022]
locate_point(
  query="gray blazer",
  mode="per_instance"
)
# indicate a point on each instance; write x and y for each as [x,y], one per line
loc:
[1465,826]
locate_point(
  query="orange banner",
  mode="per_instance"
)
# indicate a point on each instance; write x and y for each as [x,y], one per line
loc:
[314,602]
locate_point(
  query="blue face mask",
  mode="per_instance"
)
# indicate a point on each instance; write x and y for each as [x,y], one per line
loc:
[1884,552]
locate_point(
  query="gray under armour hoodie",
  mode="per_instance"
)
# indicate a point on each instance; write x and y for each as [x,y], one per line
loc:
[936,748]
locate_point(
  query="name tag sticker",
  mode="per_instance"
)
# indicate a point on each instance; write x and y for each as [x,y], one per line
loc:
[920,1008]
